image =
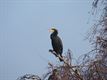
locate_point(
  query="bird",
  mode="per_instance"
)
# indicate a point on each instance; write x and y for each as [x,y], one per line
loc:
[56,42]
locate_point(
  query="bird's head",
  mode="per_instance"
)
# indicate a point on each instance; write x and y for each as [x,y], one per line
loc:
[53,30]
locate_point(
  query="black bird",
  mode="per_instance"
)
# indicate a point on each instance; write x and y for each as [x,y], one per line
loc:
[56,42]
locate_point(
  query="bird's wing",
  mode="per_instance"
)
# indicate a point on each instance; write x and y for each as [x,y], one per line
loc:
[59,44]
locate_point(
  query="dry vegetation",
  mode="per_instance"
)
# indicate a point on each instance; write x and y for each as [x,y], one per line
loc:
[90,66]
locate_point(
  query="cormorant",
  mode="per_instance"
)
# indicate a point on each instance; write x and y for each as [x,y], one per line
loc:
[56,42]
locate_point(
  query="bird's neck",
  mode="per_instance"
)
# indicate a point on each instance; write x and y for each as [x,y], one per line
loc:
[53,35]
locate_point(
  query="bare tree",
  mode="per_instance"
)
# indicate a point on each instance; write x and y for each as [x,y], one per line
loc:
[92,65]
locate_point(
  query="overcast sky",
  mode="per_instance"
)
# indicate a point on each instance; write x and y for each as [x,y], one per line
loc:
[24,35]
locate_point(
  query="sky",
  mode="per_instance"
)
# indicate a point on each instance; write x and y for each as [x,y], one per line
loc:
[24,35]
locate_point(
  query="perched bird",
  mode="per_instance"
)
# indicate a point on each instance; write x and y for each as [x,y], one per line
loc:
[56,42]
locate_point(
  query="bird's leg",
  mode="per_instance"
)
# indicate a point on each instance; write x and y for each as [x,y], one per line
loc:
[52,51]
[56,55]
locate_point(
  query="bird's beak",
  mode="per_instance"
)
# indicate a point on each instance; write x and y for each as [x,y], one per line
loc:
[50,30]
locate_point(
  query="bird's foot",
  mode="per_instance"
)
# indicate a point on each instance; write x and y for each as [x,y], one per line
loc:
[53,52]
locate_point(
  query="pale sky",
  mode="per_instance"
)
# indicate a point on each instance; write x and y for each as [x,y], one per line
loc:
[24,36]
